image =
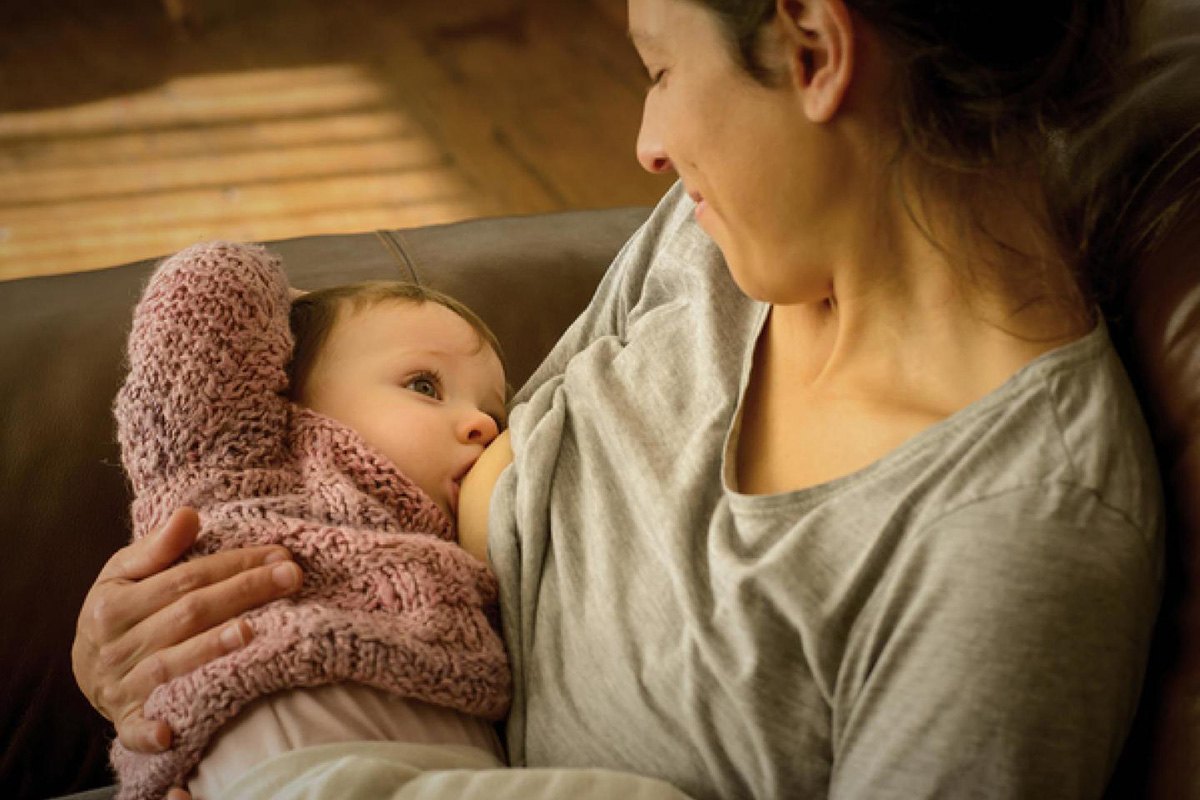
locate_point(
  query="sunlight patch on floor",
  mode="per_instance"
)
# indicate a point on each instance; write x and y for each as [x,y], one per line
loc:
[245,156]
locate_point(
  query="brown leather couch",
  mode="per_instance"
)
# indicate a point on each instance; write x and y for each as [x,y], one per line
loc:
[63,500]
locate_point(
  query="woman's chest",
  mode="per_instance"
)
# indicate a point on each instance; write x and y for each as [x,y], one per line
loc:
[791,439]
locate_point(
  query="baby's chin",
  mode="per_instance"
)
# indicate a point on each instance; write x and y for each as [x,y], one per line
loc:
[443,505]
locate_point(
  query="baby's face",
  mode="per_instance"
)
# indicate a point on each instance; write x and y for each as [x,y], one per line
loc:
[418,383]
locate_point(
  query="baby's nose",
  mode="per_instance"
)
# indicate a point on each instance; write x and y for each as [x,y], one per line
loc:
[479,428]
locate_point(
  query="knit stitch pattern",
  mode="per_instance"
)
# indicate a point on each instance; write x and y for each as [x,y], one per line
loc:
[389,599]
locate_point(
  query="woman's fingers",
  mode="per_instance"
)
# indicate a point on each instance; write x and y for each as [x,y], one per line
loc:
[106,613]
[145,622]
[184,635]
[142,735]
[201,625]
[145,736]
[248,578]
[152,554]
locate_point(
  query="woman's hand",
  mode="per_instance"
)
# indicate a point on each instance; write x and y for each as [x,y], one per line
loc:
[145,621]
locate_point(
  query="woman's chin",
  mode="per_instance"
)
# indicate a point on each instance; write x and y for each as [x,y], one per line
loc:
[746,276]
[771,278]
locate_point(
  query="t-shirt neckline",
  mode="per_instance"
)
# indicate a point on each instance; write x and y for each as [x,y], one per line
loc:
[1086,346]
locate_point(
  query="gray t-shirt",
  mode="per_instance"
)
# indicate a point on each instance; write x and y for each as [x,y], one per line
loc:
[969,616]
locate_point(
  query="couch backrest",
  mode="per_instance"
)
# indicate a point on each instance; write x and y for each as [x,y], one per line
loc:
[1160,345]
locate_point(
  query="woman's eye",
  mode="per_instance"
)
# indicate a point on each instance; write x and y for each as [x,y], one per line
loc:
[424,386]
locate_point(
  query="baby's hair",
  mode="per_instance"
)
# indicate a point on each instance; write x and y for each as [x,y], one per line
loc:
[315,313]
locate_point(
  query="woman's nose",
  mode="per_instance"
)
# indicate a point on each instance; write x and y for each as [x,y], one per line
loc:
[650,151]
[476,427]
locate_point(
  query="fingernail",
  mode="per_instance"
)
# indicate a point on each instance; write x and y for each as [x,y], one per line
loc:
[162,737]
[286,576]
[162,529]
[276,556]
[231,637]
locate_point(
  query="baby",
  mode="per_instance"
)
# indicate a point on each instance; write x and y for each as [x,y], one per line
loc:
[339,427]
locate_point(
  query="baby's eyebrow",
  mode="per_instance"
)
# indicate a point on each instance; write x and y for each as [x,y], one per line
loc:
[502,414]
[643,40]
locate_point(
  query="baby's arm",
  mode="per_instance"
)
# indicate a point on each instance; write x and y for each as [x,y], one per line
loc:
[207,365]
[476,496]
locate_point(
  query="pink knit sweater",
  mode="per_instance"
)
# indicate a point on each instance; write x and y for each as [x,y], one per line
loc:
[389,599]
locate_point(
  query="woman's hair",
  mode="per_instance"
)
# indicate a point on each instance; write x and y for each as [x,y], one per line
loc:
[1056,89]
[315,313]
[1127,193]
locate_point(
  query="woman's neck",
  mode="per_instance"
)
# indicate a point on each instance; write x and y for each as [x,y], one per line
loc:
[904,317]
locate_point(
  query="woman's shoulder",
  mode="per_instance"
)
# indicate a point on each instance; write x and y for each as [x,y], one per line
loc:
[1065,438]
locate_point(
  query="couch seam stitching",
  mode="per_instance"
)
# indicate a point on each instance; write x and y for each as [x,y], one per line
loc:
[394,245]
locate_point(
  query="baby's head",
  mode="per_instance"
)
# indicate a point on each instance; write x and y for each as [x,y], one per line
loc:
[416,373]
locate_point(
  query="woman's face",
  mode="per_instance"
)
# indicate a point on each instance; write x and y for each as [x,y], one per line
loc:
[755,165]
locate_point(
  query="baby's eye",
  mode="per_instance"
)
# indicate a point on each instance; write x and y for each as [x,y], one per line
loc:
[423,385]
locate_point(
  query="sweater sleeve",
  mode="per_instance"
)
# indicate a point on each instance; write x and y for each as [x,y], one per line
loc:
[208,353]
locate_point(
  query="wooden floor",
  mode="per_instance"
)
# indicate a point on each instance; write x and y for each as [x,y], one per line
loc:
[125,134]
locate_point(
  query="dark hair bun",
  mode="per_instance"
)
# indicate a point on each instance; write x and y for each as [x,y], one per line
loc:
[974,75]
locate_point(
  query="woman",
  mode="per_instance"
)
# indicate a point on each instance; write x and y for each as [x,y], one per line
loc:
[838,488]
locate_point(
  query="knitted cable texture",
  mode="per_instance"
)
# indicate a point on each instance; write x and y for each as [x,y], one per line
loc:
[388,600]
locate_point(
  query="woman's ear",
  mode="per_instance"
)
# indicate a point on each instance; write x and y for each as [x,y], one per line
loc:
[819,39]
